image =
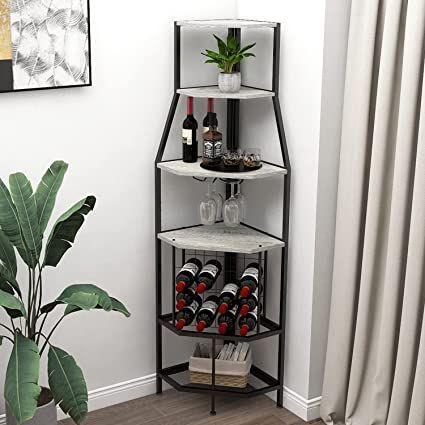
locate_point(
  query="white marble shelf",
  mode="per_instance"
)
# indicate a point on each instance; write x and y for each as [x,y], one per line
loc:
[215,93]
[181,168]
[220,238]
[227,23]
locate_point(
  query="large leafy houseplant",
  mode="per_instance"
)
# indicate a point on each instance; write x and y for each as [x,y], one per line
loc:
[24,216]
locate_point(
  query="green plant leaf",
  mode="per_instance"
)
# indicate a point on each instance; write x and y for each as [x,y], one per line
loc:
[232,44]
[84,296]
[248,55]
[65,230]
[21,386]
[7,254]
[1,340]
[24,199]
[9,222]
[117,306]
[246,48]
[66,381]
[9,301]
[7,278]
[221,45]
[47,190]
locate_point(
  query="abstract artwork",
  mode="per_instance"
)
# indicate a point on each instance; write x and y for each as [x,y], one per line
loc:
[44,44]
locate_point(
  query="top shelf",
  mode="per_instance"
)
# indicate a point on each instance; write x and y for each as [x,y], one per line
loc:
[215,93]
[227,23]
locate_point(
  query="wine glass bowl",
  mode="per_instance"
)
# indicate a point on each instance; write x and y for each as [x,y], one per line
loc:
[208,211]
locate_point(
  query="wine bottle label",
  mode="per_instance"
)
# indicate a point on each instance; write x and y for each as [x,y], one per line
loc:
[232,288]
[191,268]
[193,307]
[255,295]
[211,269]
[187,136]
[234,310]
[252,272]
[255,312]
[210,306]
[205,130]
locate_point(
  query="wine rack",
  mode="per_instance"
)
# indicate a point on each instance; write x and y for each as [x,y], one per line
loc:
[233,247]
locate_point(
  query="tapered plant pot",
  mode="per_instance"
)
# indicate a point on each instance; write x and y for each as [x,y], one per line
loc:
[46,414]
[229,83]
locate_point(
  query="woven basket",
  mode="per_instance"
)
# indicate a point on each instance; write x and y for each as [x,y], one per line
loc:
[220,380]
[228,372]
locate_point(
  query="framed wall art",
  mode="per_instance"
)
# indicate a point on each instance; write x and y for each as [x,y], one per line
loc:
[44,44]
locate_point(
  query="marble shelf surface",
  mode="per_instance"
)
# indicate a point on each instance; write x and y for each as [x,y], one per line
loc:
[215,93]
[218,237]
[227,23]
[181,168]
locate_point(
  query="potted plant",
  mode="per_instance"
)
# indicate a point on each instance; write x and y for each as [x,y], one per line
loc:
[24,216]
[229,54]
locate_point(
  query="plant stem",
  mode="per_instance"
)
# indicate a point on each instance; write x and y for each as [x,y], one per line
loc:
[41,327]
[29,302]
[7,328]
[6,337]
[50,335]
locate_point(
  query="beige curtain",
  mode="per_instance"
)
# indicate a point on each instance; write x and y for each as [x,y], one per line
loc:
[375,368]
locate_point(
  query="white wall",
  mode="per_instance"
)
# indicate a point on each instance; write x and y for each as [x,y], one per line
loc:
[109,134]
[301,89]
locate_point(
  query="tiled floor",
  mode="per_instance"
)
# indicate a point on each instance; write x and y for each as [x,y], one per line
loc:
[175,408]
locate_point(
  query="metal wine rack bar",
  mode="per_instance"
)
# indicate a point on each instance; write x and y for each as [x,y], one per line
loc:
[233,250]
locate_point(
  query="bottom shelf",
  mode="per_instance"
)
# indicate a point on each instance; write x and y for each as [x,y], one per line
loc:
[260,382]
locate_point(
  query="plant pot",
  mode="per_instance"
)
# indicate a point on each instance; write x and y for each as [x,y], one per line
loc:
[45,414]
[229,83]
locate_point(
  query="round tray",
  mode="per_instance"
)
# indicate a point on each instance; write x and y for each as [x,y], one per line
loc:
[226,169]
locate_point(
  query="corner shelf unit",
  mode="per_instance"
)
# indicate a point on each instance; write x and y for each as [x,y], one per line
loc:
[234,246]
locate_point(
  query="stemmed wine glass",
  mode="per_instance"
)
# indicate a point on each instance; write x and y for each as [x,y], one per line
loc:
[218,200]
[231,210]
[241,202]
[208,208]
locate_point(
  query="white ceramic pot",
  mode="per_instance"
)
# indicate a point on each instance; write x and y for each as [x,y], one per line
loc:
[229,83]
[45,415]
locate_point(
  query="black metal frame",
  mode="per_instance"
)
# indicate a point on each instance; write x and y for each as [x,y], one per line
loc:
[89,84]
[271,328]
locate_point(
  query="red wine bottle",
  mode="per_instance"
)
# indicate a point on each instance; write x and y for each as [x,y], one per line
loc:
[248,323]
[208,276]
[207,313]
[228,297]
[186,316]
[190,141]
[250,303]
[210,120]
[187,275]
[227,321]
[250,279]
[186,297]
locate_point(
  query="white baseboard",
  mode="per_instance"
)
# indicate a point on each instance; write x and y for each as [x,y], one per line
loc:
[114,394]
[141,387]
[307,410]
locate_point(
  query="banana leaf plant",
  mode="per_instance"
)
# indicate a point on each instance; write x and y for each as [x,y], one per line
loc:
[24,216]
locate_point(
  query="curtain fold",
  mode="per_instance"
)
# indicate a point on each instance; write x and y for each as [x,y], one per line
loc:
[375,367]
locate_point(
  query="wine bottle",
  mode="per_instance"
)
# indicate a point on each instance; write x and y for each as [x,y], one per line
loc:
[250,303]
[186,316]
[187,275]
[227,321]
[207,313]
[210,120]
[250,280]
[228,297]
[186,297]
[248,323]
[190,127]
[208,276]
